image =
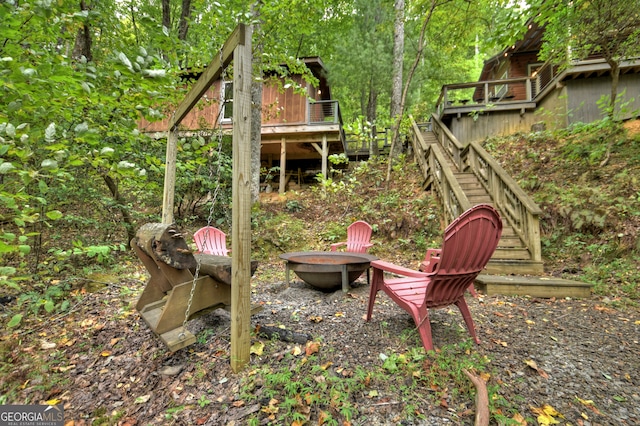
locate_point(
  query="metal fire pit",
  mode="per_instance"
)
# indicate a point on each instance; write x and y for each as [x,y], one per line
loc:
[327,269]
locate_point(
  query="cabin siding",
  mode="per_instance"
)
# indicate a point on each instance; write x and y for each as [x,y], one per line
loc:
[584,93]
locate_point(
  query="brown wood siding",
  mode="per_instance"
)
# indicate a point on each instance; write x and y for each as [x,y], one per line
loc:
[279,106]
[283,106]
[202,116]
[518,68]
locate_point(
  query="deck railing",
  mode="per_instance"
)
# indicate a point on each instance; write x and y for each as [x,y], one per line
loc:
[432,160]
[323,112]
[494,92]
[517,208]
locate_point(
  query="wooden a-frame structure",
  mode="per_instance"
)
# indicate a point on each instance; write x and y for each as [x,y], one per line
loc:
[237,48]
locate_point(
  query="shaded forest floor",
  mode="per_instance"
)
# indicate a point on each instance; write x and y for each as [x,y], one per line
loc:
[544,360]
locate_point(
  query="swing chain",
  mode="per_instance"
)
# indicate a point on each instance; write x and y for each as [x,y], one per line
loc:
[196,275]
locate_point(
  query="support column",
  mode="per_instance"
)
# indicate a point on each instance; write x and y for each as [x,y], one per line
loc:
[241,211]
[283,166]
[325,155]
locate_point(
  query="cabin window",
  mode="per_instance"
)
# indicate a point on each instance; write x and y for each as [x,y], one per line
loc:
[227,101]
[500,90]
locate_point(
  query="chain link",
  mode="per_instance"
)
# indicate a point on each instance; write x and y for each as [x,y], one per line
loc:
[220,135]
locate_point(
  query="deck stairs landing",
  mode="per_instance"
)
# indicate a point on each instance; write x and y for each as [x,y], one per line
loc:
[510,270]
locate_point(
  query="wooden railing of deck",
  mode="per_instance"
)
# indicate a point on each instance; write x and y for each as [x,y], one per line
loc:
[517,208]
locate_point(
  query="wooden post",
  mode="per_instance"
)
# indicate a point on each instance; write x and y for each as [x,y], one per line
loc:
[325,155]
[241,211]
[283,166]
[169,178]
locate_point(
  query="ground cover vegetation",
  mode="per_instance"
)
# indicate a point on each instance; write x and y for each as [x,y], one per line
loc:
[93,329]
[77,178]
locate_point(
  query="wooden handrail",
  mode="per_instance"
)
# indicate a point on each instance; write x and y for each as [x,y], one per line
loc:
[516,207]
[433,163]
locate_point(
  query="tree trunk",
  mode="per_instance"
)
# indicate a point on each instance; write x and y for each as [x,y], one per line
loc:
[121,205]
[166,14]
[372,107]
[412,70]
[183,25]
[615,78]
[83,39]
[256,103]
[396,85]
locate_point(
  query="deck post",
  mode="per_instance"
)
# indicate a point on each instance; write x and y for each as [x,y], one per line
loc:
[241,211]
[283,166]
[325,155]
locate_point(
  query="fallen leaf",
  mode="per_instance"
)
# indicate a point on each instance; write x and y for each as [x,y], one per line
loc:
[531,363]
[312,348]
[517,417]
[142,399]
[47,345]
[238,404]
[315,319]
[339,314]
[257,348]
[296,351]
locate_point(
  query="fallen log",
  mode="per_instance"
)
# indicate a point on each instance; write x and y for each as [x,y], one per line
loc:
[482,399]
[282,334]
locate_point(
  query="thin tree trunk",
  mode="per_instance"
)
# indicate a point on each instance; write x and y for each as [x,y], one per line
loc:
[412,70]
[121,205]
[256,102]
[396,85]
[183,25]
[83,39]
[372,107]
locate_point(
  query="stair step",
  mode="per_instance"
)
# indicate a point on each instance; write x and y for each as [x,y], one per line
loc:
[515,285]
[511,253]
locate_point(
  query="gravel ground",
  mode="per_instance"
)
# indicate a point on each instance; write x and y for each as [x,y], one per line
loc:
[578,356]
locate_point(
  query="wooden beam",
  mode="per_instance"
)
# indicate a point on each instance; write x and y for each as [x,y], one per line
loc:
[283,166]
[241,199]
[210,75]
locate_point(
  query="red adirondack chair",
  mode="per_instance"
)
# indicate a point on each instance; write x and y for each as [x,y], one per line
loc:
[469,243]
[358,237]
[210,240]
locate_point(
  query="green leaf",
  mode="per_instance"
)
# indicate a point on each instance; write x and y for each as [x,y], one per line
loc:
[50,132]
[6,167]
[49,306]
[54,214]
[15,321]
[49,164]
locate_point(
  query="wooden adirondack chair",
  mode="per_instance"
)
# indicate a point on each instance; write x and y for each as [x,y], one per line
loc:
[430,262]
[210,240]
[469,243]
[358,237]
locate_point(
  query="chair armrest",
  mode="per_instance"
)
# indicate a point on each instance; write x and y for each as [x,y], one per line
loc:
[431,260]
[334,246]
[397,269]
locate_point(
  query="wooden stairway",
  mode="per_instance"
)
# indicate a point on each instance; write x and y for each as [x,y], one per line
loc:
[512,255]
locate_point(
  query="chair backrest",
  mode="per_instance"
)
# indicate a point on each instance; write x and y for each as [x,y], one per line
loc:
[469,242]
[210,240]
[358,236]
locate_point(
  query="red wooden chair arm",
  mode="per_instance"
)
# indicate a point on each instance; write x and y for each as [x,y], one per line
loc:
[334,246]
[397,269]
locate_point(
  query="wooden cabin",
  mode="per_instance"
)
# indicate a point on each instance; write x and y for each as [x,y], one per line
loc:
[515,86]
[301,123]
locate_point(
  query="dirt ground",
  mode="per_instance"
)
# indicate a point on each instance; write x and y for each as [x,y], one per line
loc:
[578,356]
